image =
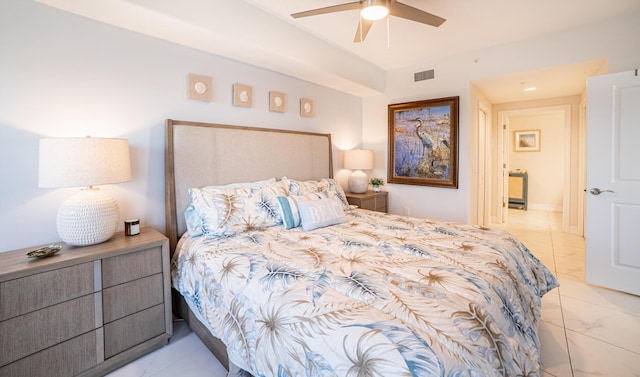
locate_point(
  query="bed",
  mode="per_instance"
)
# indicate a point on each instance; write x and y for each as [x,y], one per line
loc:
[298,283]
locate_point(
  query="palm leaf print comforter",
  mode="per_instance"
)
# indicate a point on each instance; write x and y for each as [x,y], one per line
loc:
[379,295]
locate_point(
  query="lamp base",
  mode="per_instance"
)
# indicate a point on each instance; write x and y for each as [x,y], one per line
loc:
[87,218]
[358,182]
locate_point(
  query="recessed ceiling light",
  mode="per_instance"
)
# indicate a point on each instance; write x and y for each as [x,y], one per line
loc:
[526,87]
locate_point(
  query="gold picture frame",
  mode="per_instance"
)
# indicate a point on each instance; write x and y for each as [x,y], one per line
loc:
[242,95]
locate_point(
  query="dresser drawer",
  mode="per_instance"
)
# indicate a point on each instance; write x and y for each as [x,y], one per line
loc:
[45,289]
[30,333]
[124,299]
[127,267]
[69,358]
[135,329]
[373,201]
[369,204]
[374,204]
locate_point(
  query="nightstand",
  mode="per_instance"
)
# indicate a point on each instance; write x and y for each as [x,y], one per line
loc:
[374,201]
[85,310]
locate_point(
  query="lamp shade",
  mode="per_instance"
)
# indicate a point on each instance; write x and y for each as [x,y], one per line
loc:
[358,159]
[90,216]
[86,161]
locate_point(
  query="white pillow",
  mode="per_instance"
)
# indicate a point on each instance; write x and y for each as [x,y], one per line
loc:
[320,213]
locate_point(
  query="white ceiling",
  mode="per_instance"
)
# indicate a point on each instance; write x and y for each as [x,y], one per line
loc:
[262,33]
[471,25]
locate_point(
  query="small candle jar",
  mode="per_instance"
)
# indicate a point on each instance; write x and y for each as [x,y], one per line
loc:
[131,227]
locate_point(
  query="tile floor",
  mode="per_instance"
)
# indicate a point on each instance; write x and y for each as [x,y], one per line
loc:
[585,330]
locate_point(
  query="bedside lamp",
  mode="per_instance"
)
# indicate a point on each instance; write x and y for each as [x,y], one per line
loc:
[90,216]
[358,160]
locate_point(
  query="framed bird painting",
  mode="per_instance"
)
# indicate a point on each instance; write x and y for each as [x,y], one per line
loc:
[423,143]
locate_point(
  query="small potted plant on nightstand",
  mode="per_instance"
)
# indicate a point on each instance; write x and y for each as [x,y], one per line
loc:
[376,183]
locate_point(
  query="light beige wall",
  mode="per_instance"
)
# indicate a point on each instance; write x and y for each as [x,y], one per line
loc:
[545,168]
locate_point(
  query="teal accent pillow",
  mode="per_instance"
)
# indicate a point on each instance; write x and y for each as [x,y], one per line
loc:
[320,213]
[289,209]
[289,212]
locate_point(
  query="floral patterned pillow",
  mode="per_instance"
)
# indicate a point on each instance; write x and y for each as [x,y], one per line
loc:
[193,219]
[224,212]
[328,185]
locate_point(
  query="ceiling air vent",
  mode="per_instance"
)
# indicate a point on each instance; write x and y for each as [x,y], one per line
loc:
[424,75]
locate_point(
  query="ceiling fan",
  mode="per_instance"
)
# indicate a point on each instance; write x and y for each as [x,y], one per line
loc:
[373,10]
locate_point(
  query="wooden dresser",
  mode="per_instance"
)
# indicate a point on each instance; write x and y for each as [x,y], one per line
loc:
[85,310]
[374,201]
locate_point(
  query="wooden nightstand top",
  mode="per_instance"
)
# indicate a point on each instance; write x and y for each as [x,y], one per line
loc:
[15,263]
[365,195]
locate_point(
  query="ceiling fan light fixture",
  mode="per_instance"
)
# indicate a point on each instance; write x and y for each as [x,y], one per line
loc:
[374,10]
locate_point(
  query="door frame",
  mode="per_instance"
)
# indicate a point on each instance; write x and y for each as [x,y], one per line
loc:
[582,166]
[483,178]
[504,142]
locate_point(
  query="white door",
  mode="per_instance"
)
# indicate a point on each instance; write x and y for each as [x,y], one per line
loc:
[613,181]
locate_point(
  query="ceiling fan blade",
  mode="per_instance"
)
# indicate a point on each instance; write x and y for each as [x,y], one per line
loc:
[366,26]
[331,9]
[414,14]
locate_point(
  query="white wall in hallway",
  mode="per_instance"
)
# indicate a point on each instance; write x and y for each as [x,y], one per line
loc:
[545,168]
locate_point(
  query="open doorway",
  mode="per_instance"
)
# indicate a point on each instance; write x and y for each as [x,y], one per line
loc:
[539,174]
[553,170]
[560,86]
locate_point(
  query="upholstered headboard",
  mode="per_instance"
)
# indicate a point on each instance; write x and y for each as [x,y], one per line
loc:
[204,154]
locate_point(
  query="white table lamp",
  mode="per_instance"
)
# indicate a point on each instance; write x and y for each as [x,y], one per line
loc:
[358,160]
[90,216]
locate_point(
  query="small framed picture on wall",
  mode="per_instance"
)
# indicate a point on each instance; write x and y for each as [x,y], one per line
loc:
[526,141]
[307,108]
[277,102]
[242,95]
